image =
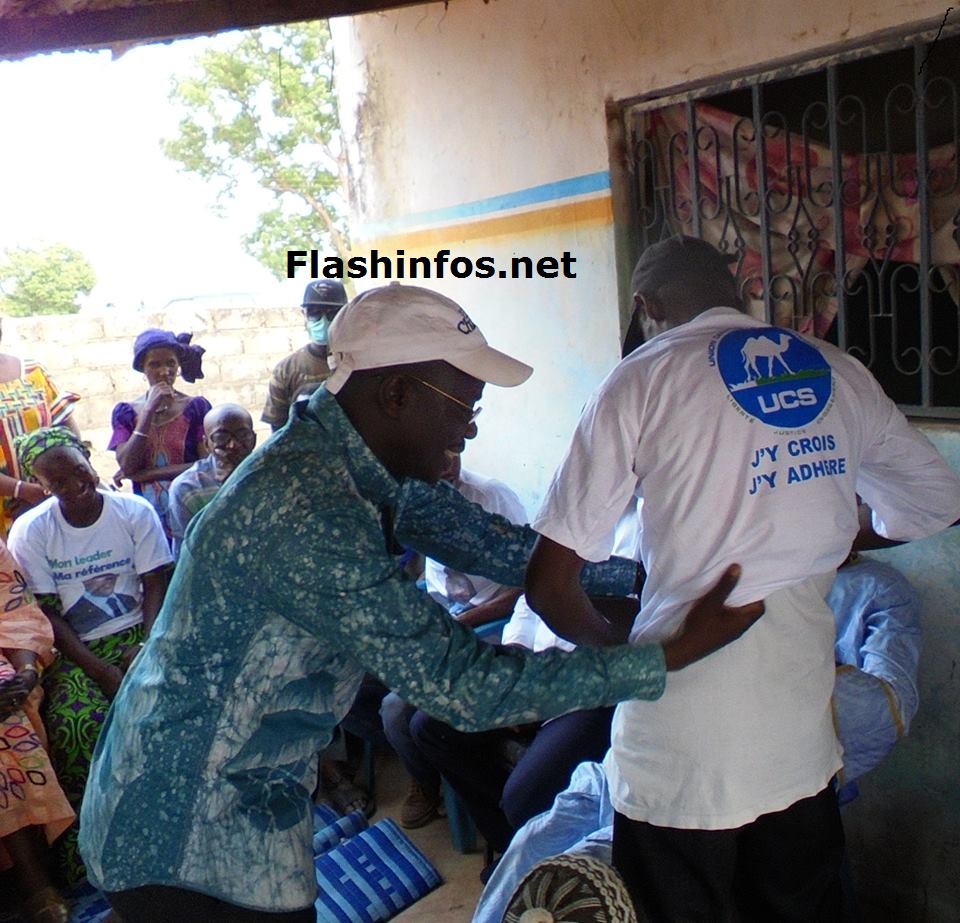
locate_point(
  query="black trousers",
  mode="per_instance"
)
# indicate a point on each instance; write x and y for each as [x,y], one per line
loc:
[501,798]
[784,866]
[157,904]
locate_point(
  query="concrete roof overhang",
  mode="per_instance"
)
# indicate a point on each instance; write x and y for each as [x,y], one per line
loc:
[29,27]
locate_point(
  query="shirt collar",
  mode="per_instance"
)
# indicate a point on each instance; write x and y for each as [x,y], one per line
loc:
[720,316]
[712,314]
[372,480]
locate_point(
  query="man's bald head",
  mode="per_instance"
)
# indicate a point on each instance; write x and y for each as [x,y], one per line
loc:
[226,412]
[228,435]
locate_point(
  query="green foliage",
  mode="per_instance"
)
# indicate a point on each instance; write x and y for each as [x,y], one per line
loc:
[46,281]
[265,111]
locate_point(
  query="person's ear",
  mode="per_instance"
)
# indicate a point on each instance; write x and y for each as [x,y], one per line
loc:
[651,306]
[395,395]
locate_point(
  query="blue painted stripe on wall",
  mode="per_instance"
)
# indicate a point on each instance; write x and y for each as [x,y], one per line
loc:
[533,195]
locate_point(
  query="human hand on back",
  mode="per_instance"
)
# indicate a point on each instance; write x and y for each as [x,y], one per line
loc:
[710,624]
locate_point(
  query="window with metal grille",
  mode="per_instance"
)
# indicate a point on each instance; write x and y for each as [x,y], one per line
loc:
[837,186]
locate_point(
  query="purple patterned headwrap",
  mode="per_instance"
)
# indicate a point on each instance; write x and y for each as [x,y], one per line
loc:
[189,356]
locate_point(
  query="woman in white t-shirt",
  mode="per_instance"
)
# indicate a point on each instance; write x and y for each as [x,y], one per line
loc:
[98,562]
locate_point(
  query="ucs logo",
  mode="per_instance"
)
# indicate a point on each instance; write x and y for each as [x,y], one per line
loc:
[774,375]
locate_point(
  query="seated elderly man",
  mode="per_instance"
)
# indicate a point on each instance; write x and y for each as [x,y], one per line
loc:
[289,589]
[229,438]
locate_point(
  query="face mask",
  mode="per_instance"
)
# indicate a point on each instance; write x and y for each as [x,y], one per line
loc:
[318,328]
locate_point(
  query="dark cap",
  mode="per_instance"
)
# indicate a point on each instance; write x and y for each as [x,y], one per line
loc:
[325,292]
[675,257]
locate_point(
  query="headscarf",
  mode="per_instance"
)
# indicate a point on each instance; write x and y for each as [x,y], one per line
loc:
[30,446]
[187,355]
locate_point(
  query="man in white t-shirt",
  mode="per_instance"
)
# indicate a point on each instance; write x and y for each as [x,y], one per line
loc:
[747,443]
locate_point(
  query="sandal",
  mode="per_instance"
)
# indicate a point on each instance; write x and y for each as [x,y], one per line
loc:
[46,906]
[347,798]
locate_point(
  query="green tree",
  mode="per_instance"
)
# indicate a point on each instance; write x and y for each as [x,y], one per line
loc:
[265,110]
[45,281]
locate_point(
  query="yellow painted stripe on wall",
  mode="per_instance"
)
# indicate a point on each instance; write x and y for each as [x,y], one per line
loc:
[569,214]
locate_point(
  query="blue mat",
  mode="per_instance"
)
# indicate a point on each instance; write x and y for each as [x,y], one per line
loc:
[372,875]
[87,905]
[366,874]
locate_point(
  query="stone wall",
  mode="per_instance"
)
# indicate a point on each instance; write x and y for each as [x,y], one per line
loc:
[92,355]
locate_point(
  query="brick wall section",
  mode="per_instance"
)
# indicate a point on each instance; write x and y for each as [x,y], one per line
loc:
[92,356]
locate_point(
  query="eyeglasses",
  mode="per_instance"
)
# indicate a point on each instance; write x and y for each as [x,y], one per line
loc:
[473,411]
[223,440]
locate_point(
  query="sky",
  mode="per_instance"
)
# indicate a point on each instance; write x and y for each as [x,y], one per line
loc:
[81,163]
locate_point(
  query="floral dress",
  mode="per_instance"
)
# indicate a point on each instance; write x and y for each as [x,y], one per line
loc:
[30,794]
[26,403]
[173,443]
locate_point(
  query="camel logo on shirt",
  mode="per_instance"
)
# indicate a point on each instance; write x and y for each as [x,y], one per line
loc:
[762,347]
[774,375]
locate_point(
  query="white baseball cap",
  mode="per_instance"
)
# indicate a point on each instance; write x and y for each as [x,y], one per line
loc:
[402,324]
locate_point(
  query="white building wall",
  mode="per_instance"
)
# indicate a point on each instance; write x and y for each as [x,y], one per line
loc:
[481,127]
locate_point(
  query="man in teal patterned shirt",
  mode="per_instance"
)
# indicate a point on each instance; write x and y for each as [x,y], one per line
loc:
[288,588]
